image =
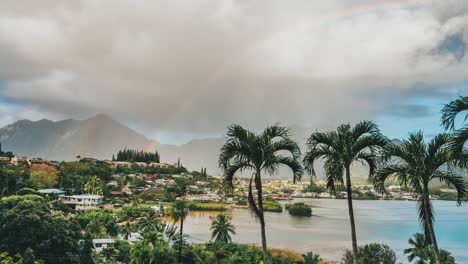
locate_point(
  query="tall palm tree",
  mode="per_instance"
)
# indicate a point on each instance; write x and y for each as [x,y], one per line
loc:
[340,149]
[179,212]
[416,164]
[460,136]
[149,222]
[222,228]
[267,151]
[93,186]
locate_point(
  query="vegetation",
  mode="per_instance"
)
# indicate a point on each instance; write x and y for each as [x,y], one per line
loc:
[26,224]
[131,155]
[422,253]
[416,164]
[197,206]
[340,149]
[299,209]
[179,212]
[457,142]
[222,229]
[371,254]
[246,150]
[272,206]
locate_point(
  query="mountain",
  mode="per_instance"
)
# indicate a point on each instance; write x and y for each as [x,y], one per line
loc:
[101,136]
[98,137]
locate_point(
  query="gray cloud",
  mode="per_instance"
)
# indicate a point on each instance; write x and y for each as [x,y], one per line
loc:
[195,66]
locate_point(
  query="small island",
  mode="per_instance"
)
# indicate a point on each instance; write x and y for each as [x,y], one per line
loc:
[299,209]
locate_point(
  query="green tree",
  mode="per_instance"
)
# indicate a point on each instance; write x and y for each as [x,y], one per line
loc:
[87,247]
[416,164]
[340,149]
[179,212]
[246,150]
[26,222]
[371,254]
[222,228]
[93,186]
[97,216]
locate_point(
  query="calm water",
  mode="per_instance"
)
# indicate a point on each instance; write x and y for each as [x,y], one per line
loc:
[328,231]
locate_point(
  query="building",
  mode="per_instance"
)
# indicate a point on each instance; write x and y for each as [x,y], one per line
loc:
[160,165]
[84,201]
[122,164]
[101,243]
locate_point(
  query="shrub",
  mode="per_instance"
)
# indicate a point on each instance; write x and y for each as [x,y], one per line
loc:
[372,254]
[272,206]
[195,206]
[299,209]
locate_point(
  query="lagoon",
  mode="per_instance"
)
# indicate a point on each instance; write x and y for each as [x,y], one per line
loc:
[327,232]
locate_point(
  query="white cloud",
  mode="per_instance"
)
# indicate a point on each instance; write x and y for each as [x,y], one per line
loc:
[195,66]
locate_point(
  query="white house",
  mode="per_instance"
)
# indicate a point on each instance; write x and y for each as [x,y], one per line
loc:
[101,243]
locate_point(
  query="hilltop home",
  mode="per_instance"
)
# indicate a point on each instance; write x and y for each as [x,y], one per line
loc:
[84,201]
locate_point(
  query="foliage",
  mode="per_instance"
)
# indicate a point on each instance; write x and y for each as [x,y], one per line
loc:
[26,191]
[459,136]
[311,258]
[372,254]
[132,155]
[421,252]
[267,151]
[132,211]
[222,228]
[26,222]
[299,209]
[339,149]
[197,206]
[99,216]
[44,176]
[416,164]
[312,187]
[93,186]
[272,206]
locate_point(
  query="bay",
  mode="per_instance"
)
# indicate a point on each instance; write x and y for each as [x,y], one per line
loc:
[327,232]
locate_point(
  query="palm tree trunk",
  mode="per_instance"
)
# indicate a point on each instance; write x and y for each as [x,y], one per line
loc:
[262,219]
[430,227]
[180,241]
[351,215]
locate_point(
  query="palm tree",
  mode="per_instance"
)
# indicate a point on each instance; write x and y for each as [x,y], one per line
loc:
[340,149]
[246,150]
[460,136]
[93,186]
[422,252]
[222,228]
[149,222]
[126,232]
[179,212]
[416,165]
[419,246]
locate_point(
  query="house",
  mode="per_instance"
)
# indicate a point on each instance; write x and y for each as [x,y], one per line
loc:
[141,164]
[122,164]
[84,201]
[60,194]
[101,243]
[114,184]
[160,165]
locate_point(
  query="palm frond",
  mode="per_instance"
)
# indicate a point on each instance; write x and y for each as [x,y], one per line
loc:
[451,110]
[454,180]
[293,164]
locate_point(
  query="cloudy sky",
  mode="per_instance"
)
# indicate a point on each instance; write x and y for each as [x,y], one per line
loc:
[177,70]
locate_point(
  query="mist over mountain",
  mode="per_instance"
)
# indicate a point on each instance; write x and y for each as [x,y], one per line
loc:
[101,136]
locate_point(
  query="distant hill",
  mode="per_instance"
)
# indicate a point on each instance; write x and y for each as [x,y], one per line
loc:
[101,136]
[97,137]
